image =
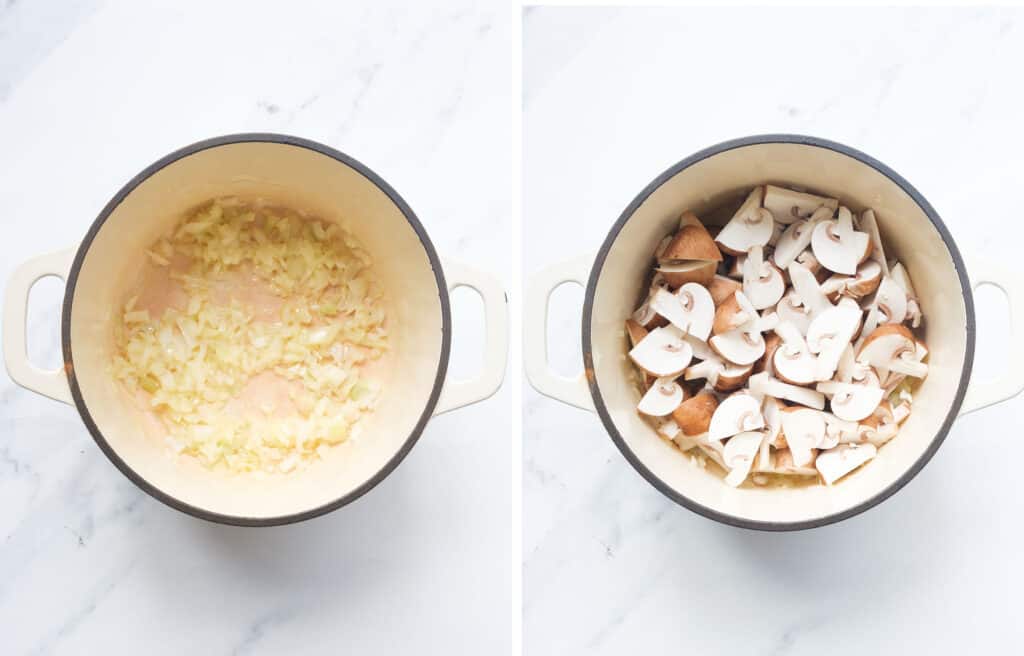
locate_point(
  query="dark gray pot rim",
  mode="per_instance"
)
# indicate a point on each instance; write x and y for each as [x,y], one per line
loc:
[595,390]
[439,377]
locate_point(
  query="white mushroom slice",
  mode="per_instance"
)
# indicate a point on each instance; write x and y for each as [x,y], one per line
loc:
[901,412]
[869,276]
[807,288]
[838,430]
[804,429]
[739,346]
[851,371]
[869,224]
[663,352]
[762,324]
[771,409]
[830,333]
[785,466]
[662,398]
[736,414]
[731,377]
[668,428]
[797,238]
[739,453]
[811,263]
[764,385]
[792,310]
[851,402]
[762,281]
[843,459]
[735,312]
[690,309]
[700,347]
[891,301]
[793,361]
[771,344]
[750,226]
[892,347]
[713,450]
[765,460]
[708,369]
[788,206]
[838,246]
[902,278]
[777,230]
[722,288]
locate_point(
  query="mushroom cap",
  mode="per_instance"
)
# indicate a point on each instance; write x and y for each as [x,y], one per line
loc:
[869,275]
[851,402]
[635,331]
[764,385]
[722,288]
[788,206]
[891,301]
[793,361]
[739,453]
[763,284]
[807,289]
[663,352]
[892,347]
[792,310]
[693,416]
[736,414]
[830,333]
[734,312]
[750,226]
[690,309]
[691,242]
[797,237]
[902,278]
[678,274]
[732,376]
[771,344]
[804,429]
[839,461]
[838,246]
[662,398]
[739,346]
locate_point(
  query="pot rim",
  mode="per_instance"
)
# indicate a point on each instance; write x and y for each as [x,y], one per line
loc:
[414,223]
[588,307]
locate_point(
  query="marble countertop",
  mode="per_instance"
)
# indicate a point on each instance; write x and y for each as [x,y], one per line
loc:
[612,98]
[429,561]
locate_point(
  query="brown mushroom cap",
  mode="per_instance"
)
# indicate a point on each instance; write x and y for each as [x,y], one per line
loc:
[694,414]
[635,331]
[722,288]
[692,242]
[677,274]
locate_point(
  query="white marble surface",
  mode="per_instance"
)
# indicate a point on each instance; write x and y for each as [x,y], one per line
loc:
[614,97]
[428,562]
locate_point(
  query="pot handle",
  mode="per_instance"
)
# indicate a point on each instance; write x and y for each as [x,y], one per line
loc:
[458,393]
[983,393]
[52,383]
[573,391]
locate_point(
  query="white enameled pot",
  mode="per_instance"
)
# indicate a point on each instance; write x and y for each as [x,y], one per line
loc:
[287,171]
[912,233]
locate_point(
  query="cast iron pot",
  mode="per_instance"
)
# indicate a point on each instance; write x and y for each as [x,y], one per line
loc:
[293,172]
[912,233]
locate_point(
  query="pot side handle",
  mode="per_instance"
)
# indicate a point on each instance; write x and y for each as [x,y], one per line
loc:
[459,393]
[573,391]
[983,393]
[51,383]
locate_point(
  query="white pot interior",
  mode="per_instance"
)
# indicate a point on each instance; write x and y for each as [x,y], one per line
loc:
[721,180]
[303,179]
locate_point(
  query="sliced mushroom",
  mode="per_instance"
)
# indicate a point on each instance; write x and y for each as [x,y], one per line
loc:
[867,279]
[691,242]
[709,369]
[678,274]
[635,331]
[792,310]
[837,462]
[902,278]
[739,453]
[892,347]
[851,402]
[662,398]
[764,385]
[785,466]
[771,409]
[788,206]
[735,312]
[663,352]
[722,288]
[690,309]
[891,302]
[739,346]
[880,427]
[869,224]
[808,290]
[804,429]
[837,430]
[851,371]
[793,362]
[797,237]
[762,281]
[750,226]
[901,412]
[771,343]
[693,416]
[668,429]
[838,246]
[811,263]
[736,414]
[830,333]
[732,377]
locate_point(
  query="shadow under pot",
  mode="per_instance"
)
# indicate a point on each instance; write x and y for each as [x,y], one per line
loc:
[282,171]
[717,179]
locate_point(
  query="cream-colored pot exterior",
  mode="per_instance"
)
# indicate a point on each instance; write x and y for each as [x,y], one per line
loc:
[911,232]
[291,172]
